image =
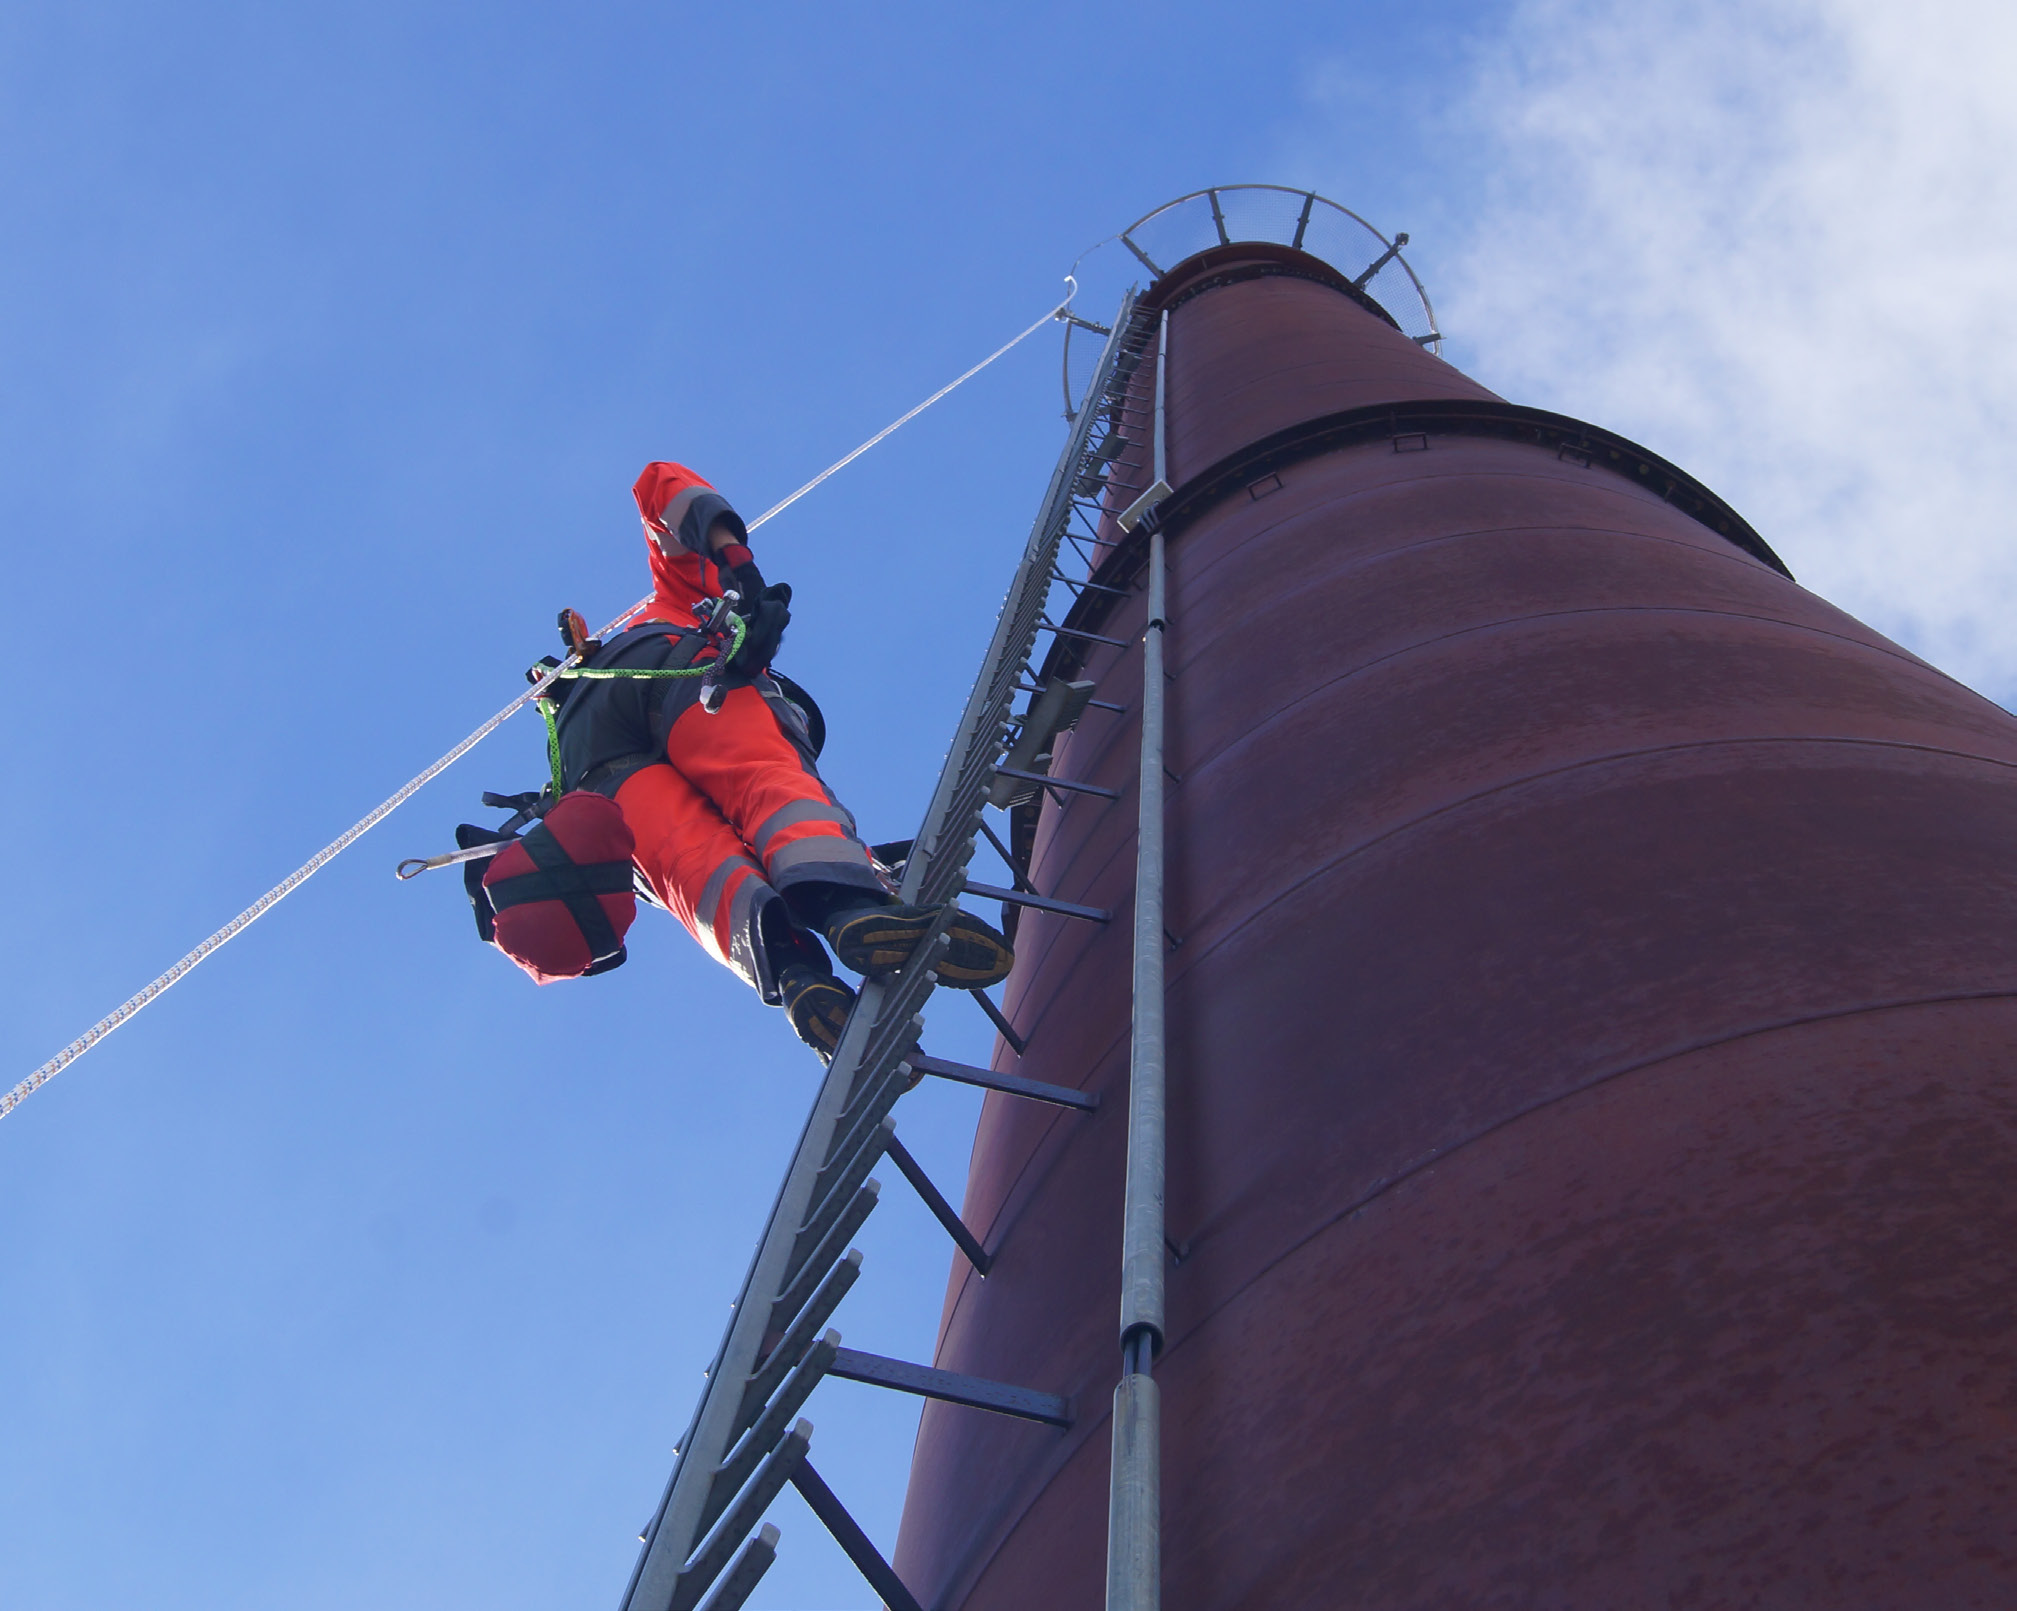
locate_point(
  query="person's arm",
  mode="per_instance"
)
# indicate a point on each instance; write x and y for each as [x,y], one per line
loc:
[725,533]
[766,610]
[737,564]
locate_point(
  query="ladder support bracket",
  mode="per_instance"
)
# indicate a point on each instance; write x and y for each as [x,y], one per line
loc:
[1011,1084]
[1003,1027]
[1047,781]
[1041,903]
[942,1211]
[1094,637]
[847,1533]
[976,1392]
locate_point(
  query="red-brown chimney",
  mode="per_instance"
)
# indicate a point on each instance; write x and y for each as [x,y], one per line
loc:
[1592,1010]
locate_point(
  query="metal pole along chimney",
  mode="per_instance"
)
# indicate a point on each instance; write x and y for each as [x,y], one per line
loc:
[1591,998]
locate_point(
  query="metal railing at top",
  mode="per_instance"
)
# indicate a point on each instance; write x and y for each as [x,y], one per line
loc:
[1279,214]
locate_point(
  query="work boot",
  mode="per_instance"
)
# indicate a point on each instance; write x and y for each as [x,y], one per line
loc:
[817,1004]
[875,940]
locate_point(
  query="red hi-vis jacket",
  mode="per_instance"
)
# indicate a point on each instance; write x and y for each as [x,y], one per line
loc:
[678,509]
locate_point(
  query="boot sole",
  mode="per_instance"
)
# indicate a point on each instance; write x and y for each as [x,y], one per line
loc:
[882,941]
[818,1013]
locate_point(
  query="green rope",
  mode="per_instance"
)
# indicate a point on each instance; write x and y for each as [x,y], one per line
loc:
[738,630]
[552,742]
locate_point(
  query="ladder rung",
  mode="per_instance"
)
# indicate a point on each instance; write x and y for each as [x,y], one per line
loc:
[820,1221]
[768,1427]
[792,1298]
[791,1347]
[871,1084]
[892,1042]
[1050,782]
[741,1579]
[705,1564]
[870,1099]
[873,1096]
[1042,903]
[1012,1084]
[975,1391]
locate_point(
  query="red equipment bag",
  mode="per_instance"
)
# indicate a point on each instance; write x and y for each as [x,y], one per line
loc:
[562,896]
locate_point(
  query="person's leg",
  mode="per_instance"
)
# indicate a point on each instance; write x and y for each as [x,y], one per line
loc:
[701,871]
[759,773]
[692,860]
[768,788]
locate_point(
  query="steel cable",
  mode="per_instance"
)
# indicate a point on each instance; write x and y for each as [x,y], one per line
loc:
[329,852]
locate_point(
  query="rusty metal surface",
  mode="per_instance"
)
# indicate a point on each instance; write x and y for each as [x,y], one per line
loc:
[1593,1066]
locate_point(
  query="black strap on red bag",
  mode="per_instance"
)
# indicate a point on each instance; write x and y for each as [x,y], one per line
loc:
[559,900]
[576,888]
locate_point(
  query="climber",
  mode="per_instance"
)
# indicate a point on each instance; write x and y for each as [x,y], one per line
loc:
[731,828]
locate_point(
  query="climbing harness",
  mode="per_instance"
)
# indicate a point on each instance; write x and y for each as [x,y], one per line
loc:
[329,852]
[722,631]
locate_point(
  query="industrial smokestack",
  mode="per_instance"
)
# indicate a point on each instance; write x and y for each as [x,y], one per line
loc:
[1592,996]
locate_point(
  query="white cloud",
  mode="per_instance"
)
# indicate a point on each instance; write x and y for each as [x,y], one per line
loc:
[1776,241]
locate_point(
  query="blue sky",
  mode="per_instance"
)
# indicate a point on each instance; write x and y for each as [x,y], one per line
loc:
[356,1271]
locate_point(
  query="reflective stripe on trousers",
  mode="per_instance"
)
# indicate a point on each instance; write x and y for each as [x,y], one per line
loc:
[738,813]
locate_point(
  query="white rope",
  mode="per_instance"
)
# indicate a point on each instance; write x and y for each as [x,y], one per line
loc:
[898,424]
[329,852]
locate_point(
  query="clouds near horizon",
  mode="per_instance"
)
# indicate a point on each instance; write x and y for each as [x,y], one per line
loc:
[1776,242]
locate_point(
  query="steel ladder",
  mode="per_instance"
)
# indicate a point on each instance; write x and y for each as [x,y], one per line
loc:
[707,1545]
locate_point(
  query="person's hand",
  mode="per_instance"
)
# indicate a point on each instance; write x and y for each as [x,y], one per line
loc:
[765,619]
[747,581]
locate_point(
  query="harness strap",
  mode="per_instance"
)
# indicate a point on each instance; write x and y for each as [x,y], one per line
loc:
[738,630]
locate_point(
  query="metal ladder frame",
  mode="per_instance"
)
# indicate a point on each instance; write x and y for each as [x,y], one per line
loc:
[743,1445]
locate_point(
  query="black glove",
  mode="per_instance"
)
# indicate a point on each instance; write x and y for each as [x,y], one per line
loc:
[747,581]
[764,630]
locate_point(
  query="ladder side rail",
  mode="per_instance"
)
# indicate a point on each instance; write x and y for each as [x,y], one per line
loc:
[943,876]
[1014,638]
[674,1531]
[866,1061]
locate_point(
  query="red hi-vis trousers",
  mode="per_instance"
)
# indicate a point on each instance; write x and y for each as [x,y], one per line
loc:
[736,816]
